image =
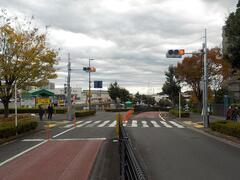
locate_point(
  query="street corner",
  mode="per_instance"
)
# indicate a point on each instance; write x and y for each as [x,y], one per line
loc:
[52,124]
[198,125]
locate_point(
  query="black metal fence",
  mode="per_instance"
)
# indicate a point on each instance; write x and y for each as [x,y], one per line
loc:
[130,167]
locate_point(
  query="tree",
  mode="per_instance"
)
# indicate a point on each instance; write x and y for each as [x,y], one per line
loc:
[232,33]
[25,59]
[115,91]
[137,98]
[171,87]
[190,71]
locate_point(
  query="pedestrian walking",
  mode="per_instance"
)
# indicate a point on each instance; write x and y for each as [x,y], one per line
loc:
[234,114]
[229,113]
[50,111]
[41,112]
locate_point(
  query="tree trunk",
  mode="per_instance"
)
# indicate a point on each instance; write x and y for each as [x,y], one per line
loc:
[6,109]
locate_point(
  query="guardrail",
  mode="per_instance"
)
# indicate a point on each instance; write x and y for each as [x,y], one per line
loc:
[130,168]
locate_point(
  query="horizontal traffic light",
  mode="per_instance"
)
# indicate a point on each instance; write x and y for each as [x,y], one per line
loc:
[89,69]
[175,53]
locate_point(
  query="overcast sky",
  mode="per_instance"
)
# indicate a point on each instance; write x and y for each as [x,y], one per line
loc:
[127,38]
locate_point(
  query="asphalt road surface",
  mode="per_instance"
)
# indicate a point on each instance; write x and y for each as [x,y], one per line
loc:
[83,152]
[168,150]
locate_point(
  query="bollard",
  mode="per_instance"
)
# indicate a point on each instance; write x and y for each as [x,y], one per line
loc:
[74,121]
[47,131]
[117,125]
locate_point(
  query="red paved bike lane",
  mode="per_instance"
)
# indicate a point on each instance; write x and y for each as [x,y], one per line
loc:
[54,160]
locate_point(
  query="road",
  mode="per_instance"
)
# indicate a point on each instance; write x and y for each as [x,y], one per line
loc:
[87,151]
[167,150]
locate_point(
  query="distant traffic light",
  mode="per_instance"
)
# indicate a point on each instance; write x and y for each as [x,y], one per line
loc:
[89,69]
[177,53]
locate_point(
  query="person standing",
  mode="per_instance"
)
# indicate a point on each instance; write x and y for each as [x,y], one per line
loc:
[229,113]
[234,114]
[41,112]
[50,111]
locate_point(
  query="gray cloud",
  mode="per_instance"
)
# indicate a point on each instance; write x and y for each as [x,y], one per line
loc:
[128,39]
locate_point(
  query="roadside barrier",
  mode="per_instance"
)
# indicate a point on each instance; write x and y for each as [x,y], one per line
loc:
[47,131]
[130,168]
[128,114]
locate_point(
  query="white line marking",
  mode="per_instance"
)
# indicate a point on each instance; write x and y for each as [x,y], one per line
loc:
[144,123]
[134,123]
[27,150]
[32,140]
[63,132]
[86,122]
[155,124]
[79,139]
[113,124]
[161,117]
[166,124]
[176,124]
[93,124]
[103,124]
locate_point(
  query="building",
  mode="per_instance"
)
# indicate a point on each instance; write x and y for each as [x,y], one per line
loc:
[97,96]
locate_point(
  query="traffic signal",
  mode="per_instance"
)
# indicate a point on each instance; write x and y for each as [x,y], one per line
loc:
[177,53]
[92,69]
[89,69]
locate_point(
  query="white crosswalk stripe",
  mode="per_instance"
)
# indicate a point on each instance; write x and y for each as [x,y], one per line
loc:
[134,123]
[103,124]
[176,124]
[113,124]
[166,124]
[155,124]
[83,124]
[72,124]
[93,124]
[144,123]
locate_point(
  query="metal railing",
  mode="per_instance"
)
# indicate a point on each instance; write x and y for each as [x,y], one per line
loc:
[130,168]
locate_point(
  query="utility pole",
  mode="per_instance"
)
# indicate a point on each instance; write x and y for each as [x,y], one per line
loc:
[179,105]
[16,119]
[89,84]
[69,103]
[205,79]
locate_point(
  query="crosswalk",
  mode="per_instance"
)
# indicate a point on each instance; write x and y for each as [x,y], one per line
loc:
[131,124]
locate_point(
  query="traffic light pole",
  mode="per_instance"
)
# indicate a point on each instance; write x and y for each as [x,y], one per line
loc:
[205,89]
[89,85]
[69,103]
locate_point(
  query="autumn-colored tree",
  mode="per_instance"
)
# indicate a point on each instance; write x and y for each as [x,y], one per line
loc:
[25,59]
[190,71]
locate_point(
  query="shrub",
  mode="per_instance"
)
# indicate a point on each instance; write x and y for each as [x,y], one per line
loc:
[33,111]
[85,113]
[25,123]
[226,127]
[117,110]
[175,112]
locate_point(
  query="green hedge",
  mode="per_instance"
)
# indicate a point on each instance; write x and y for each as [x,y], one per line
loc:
[175,112]
[85,113]
[8,129]
[33,111]
[117,110]
[226,127]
